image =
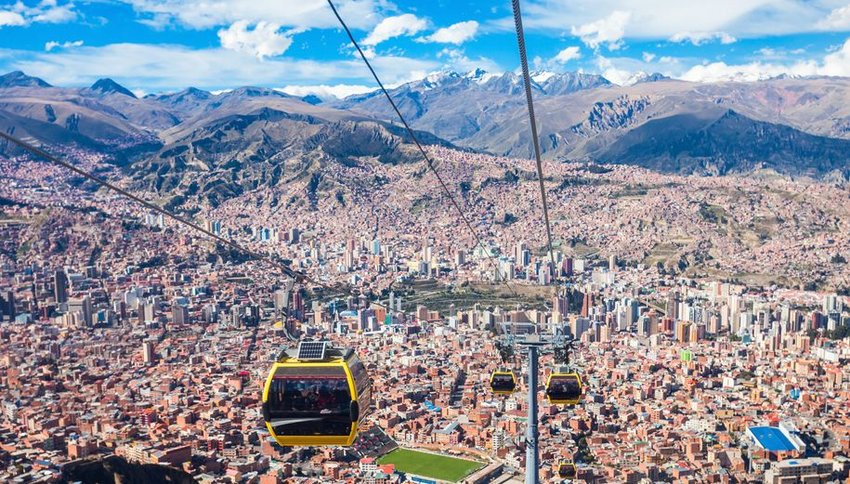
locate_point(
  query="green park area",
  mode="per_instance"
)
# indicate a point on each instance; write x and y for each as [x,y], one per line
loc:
[430,465]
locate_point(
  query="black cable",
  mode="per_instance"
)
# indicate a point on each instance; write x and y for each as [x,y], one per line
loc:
[297,276]
[520,37]
[288,271]
[428,160]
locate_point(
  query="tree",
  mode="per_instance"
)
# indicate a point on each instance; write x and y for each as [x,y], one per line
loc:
[838,333]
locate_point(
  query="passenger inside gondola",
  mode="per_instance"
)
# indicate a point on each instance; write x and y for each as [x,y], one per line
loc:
[503,382]
[567,388]
[310,406]
[298,396]
[567,470]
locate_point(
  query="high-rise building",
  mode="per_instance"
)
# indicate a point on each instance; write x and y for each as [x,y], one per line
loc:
[560,304]
[211,313]
[294,236]
[673,301]
[544,274]
[148,312]
[460,259]
[578,326]
[281,301]
[60,287]
[522,256]
[507,269]
[236,315]
[498,440]
[147,352]
[251,316]
[683,331]
[179,314]
[9,306]
[586,304]
[83,307]
[644,326]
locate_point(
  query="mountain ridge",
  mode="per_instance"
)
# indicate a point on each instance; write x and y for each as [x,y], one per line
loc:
[108,86]
[19,79]
[582,117]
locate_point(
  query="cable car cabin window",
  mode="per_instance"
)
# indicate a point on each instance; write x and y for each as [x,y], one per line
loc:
[503,382]
[358,371]
[361,383]
[564,388]
[310,401]
[567,471]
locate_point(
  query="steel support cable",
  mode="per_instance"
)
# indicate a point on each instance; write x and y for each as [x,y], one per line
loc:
[412,135]
[526,78]
[298,276]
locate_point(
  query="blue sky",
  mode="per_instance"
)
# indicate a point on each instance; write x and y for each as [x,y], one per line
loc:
[166,45]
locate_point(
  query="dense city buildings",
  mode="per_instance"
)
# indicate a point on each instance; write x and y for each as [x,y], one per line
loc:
[125,334]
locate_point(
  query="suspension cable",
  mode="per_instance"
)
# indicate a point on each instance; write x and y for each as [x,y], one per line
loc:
[298,276]
[425,155]
[520,37]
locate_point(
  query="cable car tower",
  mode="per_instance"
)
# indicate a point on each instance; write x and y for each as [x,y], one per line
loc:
[563,388]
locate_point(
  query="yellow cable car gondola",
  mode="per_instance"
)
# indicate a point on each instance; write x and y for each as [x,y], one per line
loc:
[567,470]
[564,388]
[503,382]
[316,396]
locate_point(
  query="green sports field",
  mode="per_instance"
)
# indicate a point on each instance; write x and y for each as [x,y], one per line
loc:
[430,465]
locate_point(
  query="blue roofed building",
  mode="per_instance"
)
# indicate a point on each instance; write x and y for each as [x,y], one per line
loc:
[775,439]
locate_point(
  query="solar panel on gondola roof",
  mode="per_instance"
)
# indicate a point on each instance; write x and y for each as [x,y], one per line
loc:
[312,350]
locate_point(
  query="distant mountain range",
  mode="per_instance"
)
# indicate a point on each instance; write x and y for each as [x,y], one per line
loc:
[239,139]
[194,142]
[802,125]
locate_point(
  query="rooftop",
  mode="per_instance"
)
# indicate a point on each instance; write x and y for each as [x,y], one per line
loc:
[771,439]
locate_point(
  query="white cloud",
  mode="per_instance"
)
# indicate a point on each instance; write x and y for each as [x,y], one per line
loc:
[699,38]
[648,57]
[608,30]
[11,19]
[568,54]
[391,27]
[46,11]
[611,72]
[770,53]
[833,64]
[773,63]
[627,70]
[453,34]
[159,67]
[837,63]
[838,19]
[263,40]
[754,71]
[323,91]
[62,45]
[661,19]
[204,14]
[457,60]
